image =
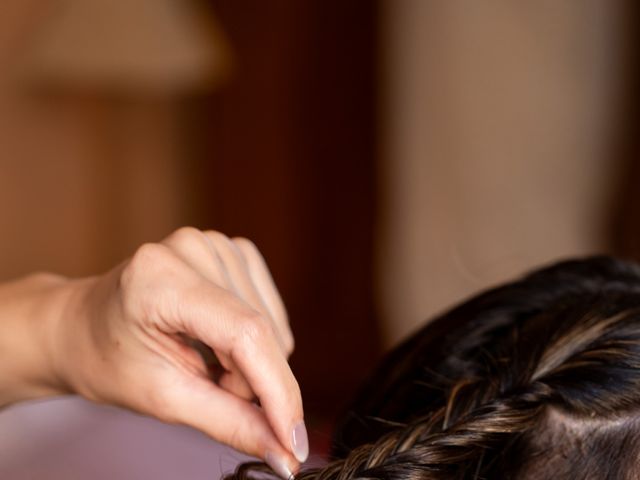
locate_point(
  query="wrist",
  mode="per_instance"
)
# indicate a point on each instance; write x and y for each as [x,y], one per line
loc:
[68,343]
[31,309]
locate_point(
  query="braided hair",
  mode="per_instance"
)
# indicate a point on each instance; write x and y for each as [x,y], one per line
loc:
[536,379]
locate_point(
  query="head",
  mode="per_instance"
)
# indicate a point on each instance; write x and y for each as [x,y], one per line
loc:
[535,379]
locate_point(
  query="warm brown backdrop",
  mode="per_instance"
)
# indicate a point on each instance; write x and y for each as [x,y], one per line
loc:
[290,163]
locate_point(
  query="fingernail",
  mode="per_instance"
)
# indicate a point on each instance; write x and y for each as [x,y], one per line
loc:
[300,442]
[278,466]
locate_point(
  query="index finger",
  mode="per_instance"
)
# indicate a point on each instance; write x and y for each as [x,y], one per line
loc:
[230,326]
[266,286]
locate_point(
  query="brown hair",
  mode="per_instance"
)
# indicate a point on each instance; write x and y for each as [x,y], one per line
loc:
[536,379]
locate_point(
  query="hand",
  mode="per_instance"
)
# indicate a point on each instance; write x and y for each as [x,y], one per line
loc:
[126,338]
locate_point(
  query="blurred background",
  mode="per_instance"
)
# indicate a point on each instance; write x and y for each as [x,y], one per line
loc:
[388,157]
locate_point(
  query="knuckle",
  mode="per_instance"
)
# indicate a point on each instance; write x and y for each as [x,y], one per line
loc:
[224,244]
[252,329]
[185,236]
[140,275]
[217,237]
[142,262]
[149,256]
[245,243]
[289,344]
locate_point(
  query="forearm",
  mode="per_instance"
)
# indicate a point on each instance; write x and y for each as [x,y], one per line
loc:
[30,309]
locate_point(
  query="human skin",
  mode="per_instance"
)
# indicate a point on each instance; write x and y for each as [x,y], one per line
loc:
[124,338]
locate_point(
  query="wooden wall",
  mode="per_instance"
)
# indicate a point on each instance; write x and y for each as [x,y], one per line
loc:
[289,162]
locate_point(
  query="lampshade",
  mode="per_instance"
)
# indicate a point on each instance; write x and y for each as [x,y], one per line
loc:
[149,45]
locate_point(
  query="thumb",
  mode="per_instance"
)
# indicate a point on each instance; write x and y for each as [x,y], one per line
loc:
[231,420]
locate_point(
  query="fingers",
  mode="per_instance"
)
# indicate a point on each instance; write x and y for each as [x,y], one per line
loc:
[195,249]
[224,263]
[237,311]
[243,425]
[266,287]
[240,273]
[251,344]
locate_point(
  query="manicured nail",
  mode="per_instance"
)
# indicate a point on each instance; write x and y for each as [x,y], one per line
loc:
[278,466]
[300,442]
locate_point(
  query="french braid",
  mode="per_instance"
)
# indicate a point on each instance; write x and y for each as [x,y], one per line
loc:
[564,338]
